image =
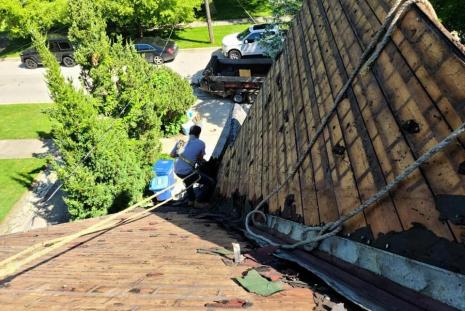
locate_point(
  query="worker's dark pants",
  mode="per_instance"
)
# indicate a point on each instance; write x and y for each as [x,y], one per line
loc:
[206,182]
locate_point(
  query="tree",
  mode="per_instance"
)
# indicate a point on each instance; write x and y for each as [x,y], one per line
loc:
[452,15]
[16,14]
[273,43]
[139,15]
[108,132]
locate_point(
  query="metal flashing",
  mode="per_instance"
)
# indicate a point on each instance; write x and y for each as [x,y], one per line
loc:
[437,283]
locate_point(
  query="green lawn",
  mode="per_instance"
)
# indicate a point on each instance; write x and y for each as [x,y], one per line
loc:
[231,9]
[198,37]
[22,121]
[15,178]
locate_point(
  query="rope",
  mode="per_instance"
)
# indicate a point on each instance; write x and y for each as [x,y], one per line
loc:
[11,265]
[369,56]
[247,12]
[167,41]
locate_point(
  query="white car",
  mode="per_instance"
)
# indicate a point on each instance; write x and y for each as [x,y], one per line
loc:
[237,45]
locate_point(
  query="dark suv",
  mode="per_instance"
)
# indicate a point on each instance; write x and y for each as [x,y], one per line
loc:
[61,48]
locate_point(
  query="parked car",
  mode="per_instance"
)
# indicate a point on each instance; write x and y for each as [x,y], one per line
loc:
[242,44]
[60,47]
[156,50]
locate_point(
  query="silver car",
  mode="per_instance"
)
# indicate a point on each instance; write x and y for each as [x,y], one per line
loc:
[237,45]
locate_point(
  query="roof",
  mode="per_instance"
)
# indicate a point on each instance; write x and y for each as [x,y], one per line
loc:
[148,264]
[392,113]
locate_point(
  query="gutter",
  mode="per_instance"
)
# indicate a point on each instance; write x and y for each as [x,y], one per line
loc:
[372,278]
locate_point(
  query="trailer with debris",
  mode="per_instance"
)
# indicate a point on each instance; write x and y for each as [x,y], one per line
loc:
[240,79]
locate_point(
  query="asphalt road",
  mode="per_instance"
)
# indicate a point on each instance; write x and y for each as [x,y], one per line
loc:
[21,85]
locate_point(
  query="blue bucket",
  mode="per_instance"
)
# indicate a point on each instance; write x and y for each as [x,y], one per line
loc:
[160,183]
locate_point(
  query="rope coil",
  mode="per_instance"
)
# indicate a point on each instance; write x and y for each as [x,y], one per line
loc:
[369,56]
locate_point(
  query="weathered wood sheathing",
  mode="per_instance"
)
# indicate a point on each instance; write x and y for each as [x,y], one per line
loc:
[418,79]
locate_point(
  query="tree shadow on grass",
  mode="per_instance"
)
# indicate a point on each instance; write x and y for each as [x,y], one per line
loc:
[175,37]
[44,135]
[27,179]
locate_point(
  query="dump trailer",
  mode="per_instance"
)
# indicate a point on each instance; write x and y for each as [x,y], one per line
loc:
[240,79]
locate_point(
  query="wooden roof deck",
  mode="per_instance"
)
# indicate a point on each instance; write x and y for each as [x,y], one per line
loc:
[418,80]
[145,265]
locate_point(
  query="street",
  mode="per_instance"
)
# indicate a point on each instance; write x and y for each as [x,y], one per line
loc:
[21,85]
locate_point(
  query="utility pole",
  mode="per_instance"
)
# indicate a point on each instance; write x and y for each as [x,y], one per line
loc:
[209,21]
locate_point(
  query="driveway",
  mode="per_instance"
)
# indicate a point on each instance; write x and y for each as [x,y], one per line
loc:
[191,62]
[215,111]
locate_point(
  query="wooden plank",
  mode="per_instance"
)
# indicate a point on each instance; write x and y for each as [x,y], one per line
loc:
[229,174]
[377,117]
[364,164]
[325,185]
[291,145]
[251,152]
[329,83]
[303,127]
[266,138]
[128,270]
[281,150]
[433,58]
[272,119]
[443,98]
[259,145]
[245,139]
[407,100]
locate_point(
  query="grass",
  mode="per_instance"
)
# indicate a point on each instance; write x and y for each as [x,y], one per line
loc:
[198,37]
[231,9]
[21,121]
[16,177]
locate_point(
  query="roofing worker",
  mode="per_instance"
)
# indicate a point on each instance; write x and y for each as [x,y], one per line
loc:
[187,158]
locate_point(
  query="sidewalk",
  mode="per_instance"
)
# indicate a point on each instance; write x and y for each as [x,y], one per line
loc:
[24,148]
[31,212]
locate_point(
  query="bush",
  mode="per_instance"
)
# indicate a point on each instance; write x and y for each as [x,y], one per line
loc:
[174,127]
[452,15]
[108,135]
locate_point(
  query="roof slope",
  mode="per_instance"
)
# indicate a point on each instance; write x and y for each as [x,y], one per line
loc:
[149,264]
[410,99]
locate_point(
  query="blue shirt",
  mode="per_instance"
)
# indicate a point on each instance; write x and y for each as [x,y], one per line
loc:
[193,151]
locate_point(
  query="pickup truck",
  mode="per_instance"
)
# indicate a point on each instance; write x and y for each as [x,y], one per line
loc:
[240,79]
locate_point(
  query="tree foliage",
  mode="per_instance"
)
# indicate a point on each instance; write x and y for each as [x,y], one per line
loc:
[273,43]
[129,16]
[16,14]
[108,132]
[452,15]
[139,15]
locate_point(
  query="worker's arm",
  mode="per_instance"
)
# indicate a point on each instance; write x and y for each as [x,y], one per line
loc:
[174,152]
[201,156]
